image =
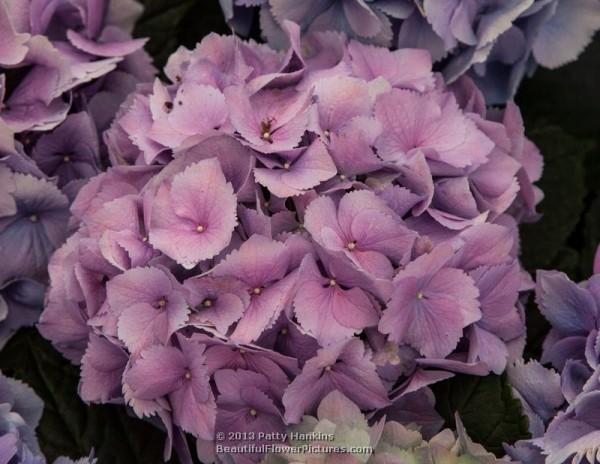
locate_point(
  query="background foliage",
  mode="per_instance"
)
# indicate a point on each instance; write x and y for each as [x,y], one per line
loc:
[562,113]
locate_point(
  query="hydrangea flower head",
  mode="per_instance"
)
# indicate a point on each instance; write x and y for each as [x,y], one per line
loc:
[293,234]
[495,42]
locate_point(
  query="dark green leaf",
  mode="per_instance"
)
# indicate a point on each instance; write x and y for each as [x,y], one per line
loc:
[487,408]
[70,427]
[545,243]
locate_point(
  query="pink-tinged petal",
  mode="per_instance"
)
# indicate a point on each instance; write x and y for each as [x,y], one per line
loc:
[351,147]
[453,195]
[383,233]
[193,416]
[235,159]
[270,121]
[488,348]
[142,325]
[140,285]
[193,219]
[305,392]
[258,261]
[106,49]
[191,118]
[65,325]
[498,294]
[13,49]
[102,369]
[264,309]
[158,371]
[434,125]
[418,324]
[220,301]
[345,367]
[320,216]
[484,244]
[326,311]
[340,99]
[311,168]
[431,305]
[404,68]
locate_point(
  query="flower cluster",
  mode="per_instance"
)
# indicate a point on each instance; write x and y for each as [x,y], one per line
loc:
[20,412]
[497,42]
[564,405]
[277,226]
[65,67]
[339,424]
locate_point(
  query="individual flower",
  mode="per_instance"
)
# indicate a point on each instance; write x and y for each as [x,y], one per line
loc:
[344,366]
[362,228]
[431,304]
[33,223]
[263,265]
[180,374]
[436,127]
[193,216]
[71,151]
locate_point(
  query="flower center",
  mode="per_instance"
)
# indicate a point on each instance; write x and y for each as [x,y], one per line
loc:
[286,165]
[343,177]
[200,228]
[284,331]
[34,218]
[144,239]
[420,295]
[161,303]
[332,283]
[67,158]
[256,291]
[265,130]
[207,303]
[242,351]
[253,412]
[328,368]
[351,245]
[188,375]
[327,133]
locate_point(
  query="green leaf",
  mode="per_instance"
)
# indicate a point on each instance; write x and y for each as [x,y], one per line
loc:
[591,237]
[567,96]
[69,427]
[545,243]
[171,23]
[487,408]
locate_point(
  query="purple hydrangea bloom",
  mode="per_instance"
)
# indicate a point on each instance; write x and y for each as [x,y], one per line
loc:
[495,42]
[276,227]
[69,66]
[563,409]
[20,413]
